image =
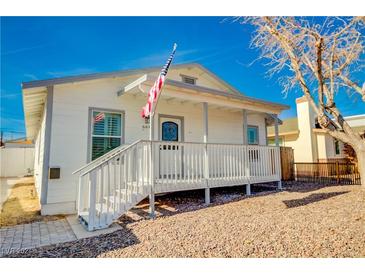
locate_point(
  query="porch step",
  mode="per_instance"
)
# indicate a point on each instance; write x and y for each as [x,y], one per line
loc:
[103,211]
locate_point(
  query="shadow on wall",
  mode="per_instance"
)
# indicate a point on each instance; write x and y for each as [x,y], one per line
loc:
[313,198]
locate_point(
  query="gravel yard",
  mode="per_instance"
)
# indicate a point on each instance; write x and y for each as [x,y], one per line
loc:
[305,220]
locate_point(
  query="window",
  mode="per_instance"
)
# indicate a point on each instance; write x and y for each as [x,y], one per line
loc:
[253,135]
[170,131]
[106,132]
[316,123]
[188,79]
[337,147]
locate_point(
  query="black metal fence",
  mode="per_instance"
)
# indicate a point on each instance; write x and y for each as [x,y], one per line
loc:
[332,172]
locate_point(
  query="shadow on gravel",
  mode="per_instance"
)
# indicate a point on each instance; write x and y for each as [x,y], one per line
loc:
[187,201]
[304,187]
[313,198]
[84,248]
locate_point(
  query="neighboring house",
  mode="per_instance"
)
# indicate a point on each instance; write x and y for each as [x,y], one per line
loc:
[309,141]
[76,120]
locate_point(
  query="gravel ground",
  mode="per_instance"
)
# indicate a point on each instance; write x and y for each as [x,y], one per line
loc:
[305,220]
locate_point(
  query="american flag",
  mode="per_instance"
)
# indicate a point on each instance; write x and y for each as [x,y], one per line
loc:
[157,86]
[99,117]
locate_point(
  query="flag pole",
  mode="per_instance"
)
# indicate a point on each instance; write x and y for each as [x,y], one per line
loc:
[154,106]
[152,166]
[151,137]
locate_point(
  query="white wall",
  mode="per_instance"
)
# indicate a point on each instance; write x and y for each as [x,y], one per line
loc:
[326,147]
[70,128]
[306,147]
[16,161]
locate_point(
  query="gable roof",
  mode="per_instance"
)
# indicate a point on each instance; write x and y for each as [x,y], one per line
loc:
[288,126]
[121,73]
[203,90]
[35,92]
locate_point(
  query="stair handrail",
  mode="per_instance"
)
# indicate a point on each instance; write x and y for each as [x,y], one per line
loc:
[97,162]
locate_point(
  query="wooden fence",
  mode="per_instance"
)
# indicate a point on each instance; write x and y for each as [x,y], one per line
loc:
[287,163]
[332,172]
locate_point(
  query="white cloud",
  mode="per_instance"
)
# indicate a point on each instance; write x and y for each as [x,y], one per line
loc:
[14,51]
[8,95]
[30,76]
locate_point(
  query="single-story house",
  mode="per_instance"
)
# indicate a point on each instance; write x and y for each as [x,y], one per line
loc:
[309,141]
[206,134]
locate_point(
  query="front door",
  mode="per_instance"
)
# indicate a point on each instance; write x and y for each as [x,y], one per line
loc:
[170,154]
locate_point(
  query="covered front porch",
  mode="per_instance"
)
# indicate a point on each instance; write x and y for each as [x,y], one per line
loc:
[201,138]
[191,113]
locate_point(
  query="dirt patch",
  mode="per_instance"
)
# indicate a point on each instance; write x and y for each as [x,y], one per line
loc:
[22,205]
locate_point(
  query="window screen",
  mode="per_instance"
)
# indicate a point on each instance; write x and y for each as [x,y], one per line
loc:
[106,132]
[188,80]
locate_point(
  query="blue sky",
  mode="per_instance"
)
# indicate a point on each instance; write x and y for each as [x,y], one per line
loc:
[35,48]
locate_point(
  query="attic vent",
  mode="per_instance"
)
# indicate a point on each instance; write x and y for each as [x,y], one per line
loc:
[188,79]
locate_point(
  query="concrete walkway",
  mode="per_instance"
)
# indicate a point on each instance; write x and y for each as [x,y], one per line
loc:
[22,237]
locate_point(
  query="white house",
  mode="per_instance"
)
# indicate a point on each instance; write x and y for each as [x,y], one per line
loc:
[309,141]
[206,134]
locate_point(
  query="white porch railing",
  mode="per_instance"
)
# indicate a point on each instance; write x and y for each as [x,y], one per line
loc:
[111,187]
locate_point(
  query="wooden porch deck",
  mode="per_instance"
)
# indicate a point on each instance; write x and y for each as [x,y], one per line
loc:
[112,185]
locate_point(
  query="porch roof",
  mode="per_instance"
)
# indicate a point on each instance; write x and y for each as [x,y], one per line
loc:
[188,92]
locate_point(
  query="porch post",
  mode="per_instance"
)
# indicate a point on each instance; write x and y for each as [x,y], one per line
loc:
[152,181]
[244,116]
[276,130]
[206,159]
[277,144]
[245,142]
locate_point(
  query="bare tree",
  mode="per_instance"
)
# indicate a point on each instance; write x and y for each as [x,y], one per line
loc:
[322,57]
[350,152]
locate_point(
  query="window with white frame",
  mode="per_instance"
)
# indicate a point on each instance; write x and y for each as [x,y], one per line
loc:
[106,132]
[253,135]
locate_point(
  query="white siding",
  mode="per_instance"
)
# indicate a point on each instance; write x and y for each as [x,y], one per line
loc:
[70,127]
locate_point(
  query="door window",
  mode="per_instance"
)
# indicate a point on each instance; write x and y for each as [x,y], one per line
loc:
[170,131]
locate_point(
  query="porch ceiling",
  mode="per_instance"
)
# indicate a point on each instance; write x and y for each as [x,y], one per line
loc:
[182,92]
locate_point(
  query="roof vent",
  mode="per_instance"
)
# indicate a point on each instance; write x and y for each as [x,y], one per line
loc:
[188,79]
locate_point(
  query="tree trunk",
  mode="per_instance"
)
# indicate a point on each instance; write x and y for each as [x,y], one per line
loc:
[360,154]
